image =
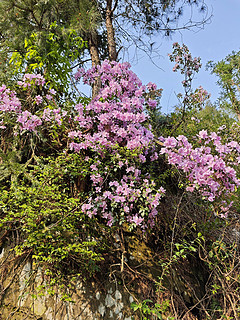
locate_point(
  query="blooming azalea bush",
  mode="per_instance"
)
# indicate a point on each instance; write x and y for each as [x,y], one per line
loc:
[116,115]
[113,135]
[112,123]
[11,105]
[115,123]
[121,193]
[209,168]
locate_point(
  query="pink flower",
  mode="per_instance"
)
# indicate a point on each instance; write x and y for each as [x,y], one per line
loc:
[137,220]
[52,91]
[48,97]
[152,103]
[38,99]
[151,86]
[170,142]
[203,134]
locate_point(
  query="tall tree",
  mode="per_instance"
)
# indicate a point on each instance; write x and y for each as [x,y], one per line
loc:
[228,73]
[107,26]
[136,21]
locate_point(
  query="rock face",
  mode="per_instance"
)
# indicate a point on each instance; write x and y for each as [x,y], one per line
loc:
[19,300]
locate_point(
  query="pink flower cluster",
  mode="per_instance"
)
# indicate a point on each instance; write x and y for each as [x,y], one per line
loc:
[9,103]
[31,80]
[116,115]
[54,115]
[28,121]
[116,120]
[199,97]
[130,198]
[209,167]
[184,60]
[188,66]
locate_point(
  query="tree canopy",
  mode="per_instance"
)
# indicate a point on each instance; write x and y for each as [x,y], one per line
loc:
[227,71]
[104,25]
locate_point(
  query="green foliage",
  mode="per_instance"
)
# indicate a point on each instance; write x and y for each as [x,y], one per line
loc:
[148,310]
[51,54]
[179,251]
[220,257]
[51,45]
[21,19]
[209,118]
[49,222]
[151,17]
[227,71]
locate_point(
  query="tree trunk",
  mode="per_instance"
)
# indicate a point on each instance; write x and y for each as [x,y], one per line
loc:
[93,49]
[110,31]
[238,115]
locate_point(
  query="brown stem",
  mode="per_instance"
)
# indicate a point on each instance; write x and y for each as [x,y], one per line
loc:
[93,49]
[238,115]
[110,32]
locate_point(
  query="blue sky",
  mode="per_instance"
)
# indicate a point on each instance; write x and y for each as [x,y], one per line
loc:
[214,42]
